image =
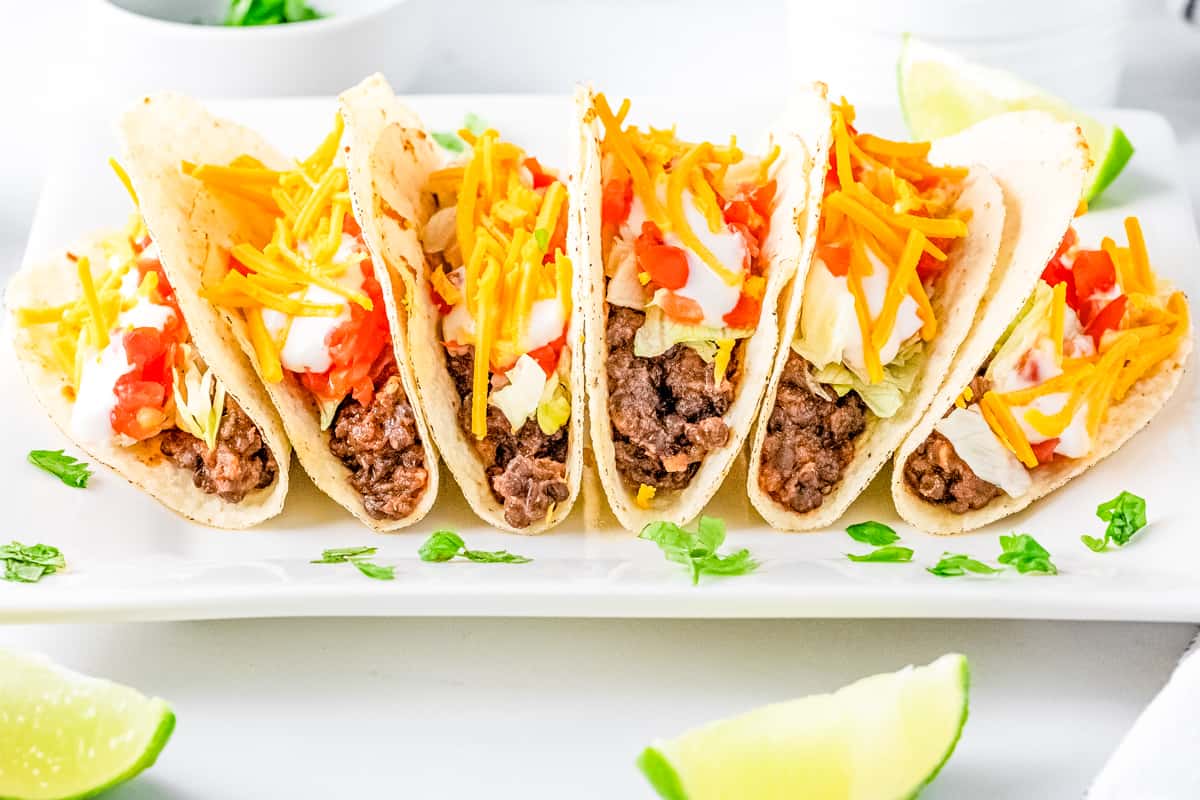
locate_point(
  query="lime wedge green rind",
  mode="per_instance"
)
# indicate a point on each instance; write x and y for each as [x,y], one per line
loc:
[661,774]
[942,93]
[881,738]
[1120,150]
[66,736]
[962,723]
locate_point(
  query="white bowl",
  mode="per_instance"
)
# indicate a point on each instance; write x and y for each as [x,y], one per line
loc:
[147,45]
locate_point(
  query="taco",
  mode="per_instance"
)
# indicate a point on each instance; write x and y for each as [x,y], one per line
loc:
[687,247]
[269,253]
[1095,352]
[123,370]
[495,325]
[904,247]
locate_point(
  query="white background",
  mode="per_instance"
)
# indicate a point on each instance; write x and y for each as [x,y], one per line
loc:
[547,708]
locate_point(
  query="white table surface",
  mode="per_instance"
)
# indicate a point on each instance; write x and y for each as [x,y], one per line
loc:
[560,708]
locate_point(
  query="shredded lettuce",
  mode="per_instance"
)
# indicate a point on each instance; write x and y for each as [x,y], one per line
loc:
[199,399]
[883,398]
[554,409]
[328,409]
[520,398]
[659,333]
[1022,335]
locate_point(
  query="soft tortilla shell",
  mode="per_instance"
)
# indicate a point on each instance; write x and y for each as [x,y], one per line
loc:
[56,281]
[961,286]
[195,229]
[799,134]
[1041,165]
[400,158]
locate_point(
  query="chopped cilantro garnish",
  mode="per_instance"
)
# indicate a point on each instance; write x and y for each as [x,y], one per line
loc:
[1125,515]
[445,545]
[68,469]
[873,533]
[890,554]
[30,563]
[698,551]
[1023,552]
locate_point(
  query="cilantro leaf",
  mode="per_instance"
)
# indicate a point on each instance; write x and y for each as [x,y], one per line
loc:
[441,546]
[890,554]
[379,572]
[495,557]
[873,533]
[1023,552]
[68,469]
[698,551]
[445,545]
[1125,515]
[30,563]
[340,555]
[448,140]
[543,238]
[953,565]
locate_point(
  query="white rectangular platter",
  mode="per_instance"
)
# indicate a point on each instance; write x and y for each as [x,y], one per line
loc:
[129,559]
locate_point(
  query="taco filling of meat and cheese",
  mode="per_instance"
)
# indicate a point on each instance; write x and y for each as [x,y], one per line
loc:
[683,224]
[315,316]
[502,284]
[132,375]
[888,224]
[1098,322]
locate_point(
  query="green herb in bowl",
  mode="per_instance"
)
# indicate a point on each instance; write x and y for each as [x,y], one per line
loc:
[244,13]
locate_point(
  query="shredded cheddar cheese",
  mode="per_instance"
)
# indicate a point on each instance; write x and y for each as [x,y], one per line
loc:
[884,198]
[1151,330]
[498,219]
[665,172]
[645,494]
[307,206]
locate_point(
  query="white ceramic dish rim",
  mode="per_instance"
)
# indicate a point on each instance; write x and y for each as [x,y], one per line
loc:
[315,27]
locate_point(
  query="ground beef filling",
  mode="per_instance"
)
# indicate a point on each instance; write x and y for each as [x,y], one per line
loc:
[527,469]
[666,411]
[936,473]
[379,444]
[240,463]
[809,441]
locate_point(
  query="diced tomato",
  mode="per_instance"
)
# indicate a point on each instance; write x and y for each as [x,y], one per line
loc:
[443,307]
[1093,273]
[541,178]
[1044,451]
[1069,240]
[547,355]
[1057,272]
[151,356]
[666,265]
[360,349]
[744,314]
[1030,368]
[616,201]
[682,309]
[836,258]
[928,266]
[762,198]
[350,225]
[1109,318]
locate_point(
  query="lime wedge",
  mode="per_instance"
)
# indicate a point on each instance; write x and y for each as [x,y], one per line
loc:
[942,93]
[882,738]
[65,735]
